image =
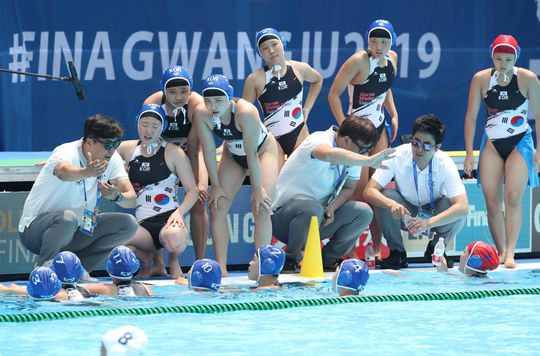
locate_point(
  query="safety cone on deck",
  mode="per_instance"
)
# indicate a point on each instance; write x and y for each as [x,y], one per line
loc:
[312,263]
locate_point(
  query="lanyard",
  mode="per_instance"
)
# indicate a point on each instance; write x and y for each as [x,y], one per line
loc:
[339,182]
[342,173]
[341,177]
[98,194]
[415,174]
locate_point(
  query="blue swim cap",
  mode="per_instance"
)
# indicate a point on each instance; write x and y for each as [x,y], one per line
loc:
[269,32]
[178,73]
[353,275]
[219,83]
[122,263]
[271,260]
[153,110]
[385,26]
[67,267]
[205,274]
[43,283]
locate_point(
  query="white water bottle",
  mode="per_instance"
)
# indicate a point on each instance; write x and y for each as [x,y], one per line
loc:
[438,252]
[370,255]
[406,219]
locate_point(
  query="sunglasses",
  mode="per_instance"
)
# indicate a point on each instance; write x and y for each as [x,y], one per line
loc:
[425,146]
[109,144]
[363,149]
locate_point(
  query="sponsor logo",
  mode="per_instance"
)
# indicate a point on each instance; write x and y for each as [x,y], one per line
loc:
[366,98]
[273,106]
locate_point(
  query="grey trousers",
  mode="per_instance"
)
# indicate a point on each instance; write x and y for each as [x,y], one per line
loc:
[290,225]
[391,228]
[57,231]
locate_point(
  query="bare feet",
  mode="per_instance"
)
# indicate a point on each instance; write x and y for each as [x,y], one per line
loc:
[502,257]
[144,272]
[510,263]
[182,281]
[176,271]
[158,270]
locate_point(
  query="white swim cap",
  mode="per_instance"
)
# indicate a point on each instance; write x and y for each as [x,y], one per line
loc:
[125,340]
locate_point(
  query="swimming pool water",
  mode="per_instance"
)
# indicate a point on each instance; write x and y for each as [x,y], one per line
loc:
[492,325]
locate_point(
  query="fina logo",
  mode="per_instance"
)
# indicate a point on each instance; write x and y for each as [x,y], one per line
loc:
[382,78]
[227,132]
[503,95]
[282,85]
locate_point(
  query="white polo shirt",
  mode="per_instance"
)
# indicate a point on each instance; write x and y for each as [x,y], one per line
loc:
[446,180]
[49,193]
[308,178]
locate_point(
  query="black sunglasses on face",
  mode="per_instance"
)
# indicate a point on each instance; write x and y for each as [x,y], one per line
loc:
[363,149]
[109,144]
[425,146]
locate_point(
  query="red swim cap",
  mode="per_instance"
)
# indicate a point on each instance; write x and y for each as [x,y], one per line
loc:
[505,44]
[482,257]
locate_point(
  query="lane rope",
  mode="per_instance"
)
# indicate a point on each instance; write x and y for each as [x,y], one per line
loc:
[263,305]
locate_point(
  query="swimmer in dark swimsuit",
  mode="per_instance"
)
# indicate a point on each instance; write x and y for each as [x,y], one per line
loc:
[278,86]
[179,101]
[155,167]
[507,153]
[369,75]
[248,148]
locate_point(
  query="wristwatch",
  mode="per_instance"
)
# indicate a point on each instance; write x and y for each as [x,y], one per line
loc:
[119,198]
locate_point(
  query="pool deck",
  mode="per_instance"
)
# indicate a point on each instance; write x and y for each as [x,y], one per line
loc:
[240,278]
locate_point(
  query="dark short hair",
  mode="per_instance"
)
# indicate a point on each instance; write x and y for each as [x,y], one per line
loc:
[359,128]
[430,124]
[102,127]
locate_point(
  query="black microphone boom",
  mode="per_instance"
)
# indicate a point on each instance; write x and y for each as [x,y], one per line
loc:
[74,78]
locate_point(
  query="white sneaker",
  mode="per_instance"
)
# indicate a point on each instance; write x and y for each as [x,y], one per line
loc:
[86,278]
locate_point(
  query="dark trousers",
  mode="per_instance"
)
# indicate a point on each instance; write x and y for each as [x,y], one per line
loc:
[57,231]
[290,225]
[391,228]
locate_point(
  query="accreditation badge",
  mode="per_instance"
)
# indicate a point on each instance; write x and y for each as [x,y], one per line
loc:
[89,222]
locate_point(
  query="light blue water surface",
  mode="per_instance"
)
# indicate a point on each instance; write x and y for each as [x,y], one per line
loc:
[484,326]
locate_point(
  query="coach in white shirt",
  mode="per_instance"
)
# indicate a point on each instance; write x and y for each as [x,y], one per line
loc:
[427,187]
[318,179]
[61,211]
